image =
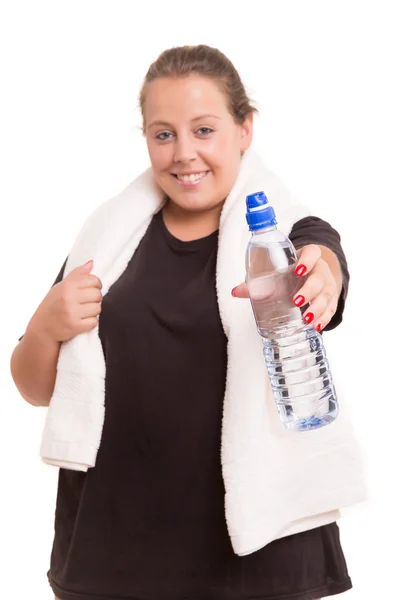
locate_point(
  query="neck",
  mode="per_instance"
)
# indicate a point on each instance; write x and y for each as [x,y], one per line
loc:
[191,225]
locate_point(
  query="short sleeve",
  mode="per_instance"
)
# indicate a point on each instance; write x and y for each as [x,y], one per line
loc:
[313,230]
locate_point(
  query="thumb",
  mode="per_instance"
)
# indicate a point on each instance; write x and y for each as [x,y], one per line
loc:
[82,270]
[240,291]
[87,267]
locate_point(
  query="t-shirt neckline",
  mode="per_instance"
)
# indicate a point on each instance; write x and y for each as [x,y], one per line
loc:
[178,244]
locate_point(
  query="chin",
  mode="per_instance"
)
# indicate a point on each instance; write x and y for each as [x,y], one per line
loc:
[194,204]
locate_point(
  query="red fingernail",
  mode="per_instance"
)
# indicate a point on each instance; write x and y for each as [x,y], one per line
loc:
[299,300]
[300,270]
[233,292]
[309,317]
[319,327]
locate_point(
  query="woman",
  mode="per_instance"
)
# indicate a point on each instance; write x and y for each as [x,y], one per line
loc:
[148,521]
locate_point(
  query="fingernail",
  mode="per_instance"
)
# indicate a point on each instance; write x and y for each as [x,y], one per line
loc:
[299,300]
[300,270]
[88,262]
[318,327]
[309,317]
[233,292]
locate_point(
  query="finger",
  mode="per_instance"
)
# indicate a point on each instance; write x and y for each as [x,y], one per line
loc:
[92,309]
[317,308]
[83,269]
[88,324]
[240,291]
[90,294]
[313,285]
[86,281]
[308,258]
[326,317]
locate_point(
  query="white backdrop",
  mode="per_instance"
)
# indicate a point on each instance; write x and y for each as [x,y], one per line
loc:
[325,78]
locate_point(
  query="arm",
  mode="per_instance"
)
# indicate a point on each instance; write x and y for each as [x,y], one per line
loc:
[313,230]
[34,361]
[322,258]
[72,306]
[34,365]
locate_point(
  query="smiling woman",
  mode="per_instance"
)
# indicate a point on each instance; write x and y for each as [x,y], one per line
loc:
[194,148]
[152,516]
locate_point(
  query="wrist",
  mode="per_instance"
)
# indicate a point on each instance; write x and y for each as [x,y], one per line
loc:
[37,331]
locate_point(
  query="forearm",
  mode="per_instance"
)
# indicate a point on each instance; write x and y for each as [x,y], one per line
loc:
[34,366]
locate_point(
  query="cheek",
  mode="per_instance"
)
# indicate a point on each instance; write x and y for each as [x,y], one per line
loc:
[225,156]
[159,155]
[224,150]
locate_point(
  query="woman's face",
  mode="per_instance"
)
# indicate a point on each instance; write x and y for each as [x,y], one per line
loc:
[193,141]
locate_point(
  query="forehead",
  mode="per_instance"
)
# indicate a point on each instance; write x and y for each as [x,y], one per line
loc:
[170,98]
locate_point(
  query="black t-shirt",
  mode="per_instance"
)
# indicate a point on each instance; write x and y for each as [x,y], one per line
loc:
[148,522]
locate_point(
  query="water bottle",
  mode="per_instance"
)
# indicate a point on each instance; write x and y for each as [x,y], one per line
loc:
[294,351]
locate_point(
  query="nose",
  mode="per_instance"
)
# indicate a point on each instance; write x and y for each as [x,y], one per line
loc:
[185,150]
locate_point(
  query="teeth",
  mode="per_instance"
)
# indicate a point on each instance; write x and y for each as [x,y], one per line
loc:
[193,177]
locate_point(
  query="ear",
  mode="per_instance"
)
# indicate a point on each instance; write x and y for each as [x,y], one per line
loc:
[246,133]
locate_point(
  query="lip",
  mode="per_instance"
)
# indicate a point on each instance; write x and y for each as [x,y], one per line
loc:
[190,184]
[191,172]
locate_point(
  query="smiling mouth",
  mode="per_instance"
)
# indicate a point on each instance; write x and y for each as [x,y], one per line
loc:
[191,179]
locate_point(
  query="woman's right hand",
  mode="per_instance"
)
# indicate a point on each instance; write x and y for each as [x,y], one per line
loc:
[71,306]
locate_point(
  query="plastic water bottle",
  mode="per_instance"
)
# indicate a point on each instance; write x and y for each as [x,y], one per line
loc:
[294,351]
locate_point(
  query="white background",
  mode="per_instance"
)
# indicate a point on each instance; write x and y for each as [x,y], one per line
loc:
[325,78]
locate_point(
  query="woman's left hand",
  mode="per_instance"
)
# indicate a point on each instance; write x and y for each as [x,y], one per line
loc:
[320,289]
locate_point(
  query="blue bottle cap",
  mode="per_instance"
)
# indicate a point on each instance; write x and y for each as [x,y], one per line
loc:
[259,213]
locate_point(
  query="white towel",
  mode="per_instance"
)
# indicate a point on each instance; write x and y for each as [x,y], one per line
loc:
[273,478]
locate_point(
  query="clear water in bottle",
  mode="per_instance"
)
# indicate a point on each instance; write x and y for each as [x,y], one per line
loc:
[294,352]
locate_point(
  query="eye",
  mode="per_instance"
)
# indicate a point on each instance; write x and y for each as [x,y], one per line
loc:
[203,131]
[164,135]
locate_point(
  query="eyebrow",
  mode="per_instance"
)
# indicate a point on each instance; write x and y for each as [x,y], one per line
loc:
[166,124]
